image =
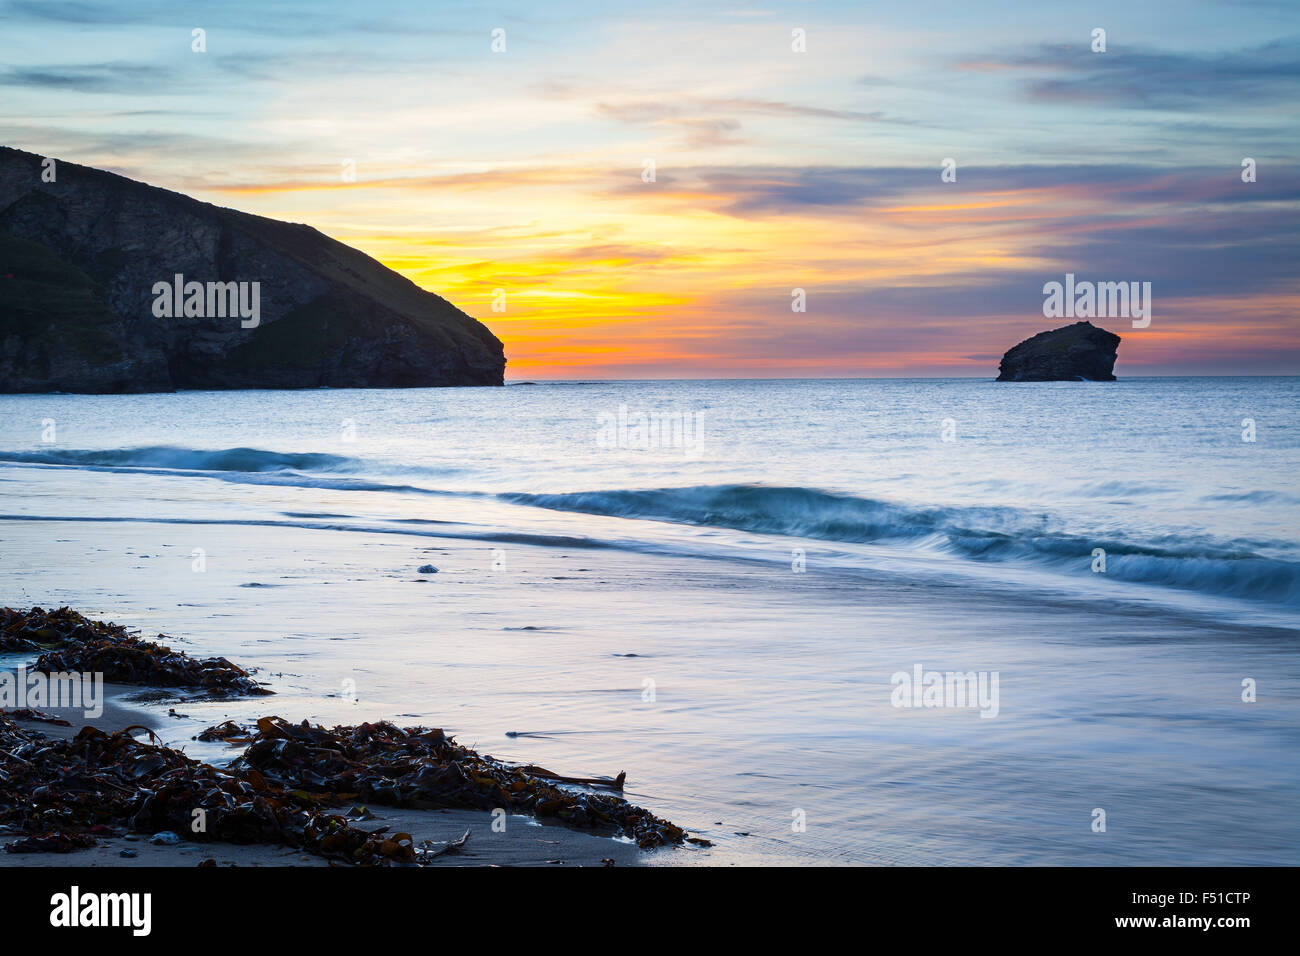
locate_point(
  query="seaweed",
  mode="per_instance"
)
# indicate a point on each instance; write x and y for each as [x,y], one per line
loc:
[289,787]
[61,795]
[39,716]
[424,768]
[70,642]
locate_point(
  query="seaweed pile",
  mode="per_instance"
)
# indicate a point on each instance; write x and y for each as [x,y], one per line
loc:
[69,642]
[422,768]
[62,795]
[294,785]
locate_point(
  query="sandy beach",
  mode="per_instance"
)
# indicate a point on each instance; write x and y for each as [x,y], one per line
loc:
[571,658]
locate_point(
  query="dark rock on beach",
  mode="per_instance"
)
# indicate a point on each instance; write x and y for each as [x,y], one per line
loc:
[80,258]
[1074,353]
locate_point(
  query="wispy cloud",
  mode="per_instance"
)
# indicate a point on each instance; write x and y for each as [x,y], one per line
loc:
[1136,77]
[95,78]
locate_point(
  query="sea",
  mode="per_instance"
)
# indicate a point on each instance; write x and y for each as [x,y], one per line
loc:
[728,588]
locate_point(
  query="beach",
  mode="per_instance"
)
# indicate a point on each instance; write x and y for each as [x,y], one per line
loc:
[537,657]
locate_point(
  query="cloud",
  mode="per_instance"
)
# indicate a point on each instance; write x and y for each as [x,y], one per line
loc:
[1145,78]
[714,121]
[309,178]
[67,11]
[754,191]
[94,78]
[653,111]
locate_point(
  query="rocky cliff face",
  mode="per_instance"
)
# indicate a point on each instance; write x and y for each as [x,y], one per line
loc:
[82,260]
[1073,353]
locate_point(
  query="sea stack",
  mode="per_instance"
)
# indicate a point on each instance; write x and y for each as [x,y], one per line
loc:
[1073,353]
[112,285]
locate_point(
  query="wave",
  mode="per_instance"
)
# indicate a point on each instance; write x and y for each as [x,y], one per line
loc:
[1185,561]
[249,466]
[188,459]
[1256,498]
[1177,559]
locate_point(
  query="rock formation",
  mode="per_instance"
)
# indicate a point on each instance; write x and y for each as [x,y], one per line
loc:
[83,260]
[1074,353]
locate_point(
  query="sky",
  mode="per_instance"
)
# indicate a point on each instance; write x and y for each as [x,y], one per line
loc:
[518,178]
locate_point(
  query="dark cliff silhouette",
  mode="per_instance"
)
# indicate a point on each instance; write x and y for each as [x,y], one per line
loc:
[80,258]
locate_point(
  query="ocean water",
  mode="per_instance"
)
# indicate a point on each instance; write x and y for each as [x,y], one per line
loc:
[767,554]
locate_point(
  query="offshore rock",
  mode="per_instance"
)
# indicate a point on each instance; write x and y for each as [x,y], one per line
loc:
[1074,353]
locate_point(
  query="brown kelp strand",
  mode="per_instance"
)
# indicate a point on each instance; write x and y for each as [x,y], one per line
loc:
[418,767]
[37,716]
[70,642]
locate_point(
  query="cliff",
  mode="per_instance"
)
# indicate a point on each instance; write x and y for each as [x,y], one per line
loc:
[84,260]
[1078,352]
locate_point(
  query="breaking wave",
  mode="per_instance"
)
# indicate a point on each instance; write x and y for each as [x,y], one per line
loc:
[1177,559]
[186,459]
[1189,562]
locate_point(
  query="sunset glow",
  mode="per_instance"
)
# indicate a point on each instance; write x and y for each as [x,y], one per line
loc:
[774,170]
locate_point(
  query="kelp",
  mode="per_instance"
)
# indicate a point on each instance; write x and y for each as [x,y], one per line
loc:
[294,785]
[38,716]
[41,630]
[61,795]
[70,642]
[423,768]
